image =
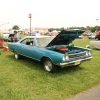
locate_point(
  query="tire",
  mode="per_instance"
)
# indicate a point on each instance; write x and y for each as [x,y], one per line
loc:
[49,66]
[16,55]
[96,38]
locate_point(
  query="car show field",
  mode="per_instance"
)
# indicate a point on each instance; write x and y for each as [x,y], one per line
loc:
[25,79]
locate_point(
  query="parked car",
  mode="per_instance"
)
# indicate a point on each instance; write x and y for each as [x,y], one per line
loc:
[92,36]
[53,33]
[5,36]
[97,37]
[35,33]
[52,51]
[10,37]
[95,44]
[81,37]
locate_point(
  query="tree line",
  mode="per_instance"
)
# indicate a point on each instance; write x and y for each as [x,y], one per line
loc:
[87,28]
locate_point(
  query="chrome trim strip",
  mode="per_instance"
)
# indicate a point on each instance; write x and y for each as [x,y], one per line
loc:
[29,57]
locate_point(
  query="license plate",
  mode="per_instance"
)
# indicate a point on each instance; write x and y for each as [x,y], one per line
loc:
[77,63]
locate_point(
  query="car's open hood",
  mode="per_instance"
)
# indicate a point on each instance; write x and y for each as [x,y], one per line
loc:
[65,37]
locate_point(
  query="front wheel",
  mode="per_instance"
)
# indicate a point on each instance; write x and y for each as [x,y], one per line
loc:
[49,66]
[16,55]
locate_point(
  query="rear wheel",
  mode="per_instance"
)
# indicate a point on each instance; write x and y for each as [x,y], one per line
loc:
[16,55]
[49,66]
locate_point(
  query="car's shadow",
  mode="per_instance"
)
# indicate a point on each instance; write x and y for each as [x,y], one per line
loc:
[26,61]
[93,48]
[36,65]
[70,69]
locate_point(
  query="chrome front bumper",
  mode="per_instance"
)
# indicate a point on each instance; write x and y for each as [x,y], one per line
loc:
[74,63]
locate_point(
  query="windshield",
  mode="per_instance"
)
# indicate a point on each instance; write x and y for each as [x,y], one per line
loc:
[43,42]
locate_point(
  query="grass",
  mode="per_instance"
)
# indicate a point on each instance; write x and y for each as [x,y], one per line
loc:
[25,79]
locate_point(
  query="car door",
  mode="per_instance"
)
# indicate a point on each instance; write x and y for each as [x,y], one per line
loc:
[29,48]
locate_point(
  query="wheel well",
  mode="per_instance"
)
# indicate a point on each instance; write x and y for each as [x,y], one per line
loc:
[43,58]
[16,52]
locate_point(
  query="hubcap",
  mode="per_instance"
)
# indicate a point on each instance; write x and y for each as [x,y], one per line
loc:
[16,56]
[48,65]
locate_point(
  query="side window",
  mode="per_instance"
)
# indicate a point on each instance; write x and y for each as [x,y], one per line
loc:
[24,41]
[33,42]
[29,41]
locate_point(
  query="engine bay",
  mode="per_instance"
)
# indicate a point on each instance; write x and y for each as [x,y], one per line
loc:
[65,49]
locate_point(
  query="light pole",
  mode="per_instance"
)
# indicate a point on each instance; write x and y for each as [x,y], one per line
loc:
[97,25]
[30,16]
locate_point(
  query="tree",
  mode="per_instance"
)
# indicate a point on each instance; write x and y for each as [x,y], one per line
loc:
[15,27]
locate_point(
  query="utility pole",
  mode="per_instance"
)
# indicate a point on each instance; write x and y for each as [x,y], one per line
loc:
[97,25]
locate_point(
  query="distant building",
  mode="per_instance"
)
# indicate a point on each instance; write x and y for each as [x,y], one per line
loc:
[4,32]
[39,30]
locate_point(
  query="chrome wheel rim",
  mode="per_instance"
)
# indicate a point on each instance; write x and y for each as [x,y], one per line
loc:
[48,65]
[16,56]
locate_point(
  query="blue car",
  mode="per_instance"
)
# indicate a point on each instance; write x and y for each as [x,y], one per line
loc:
[52,51]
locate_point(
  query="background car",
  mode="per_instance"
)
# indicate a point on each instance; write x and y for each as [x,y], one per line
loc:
[92,36]
[5,36]
[10,37]
[81,37]
[53,33]
[35,33]
[97,37]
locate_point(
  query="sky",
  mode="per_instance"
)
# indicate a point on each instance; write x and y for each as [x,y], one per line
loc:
[49,13]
